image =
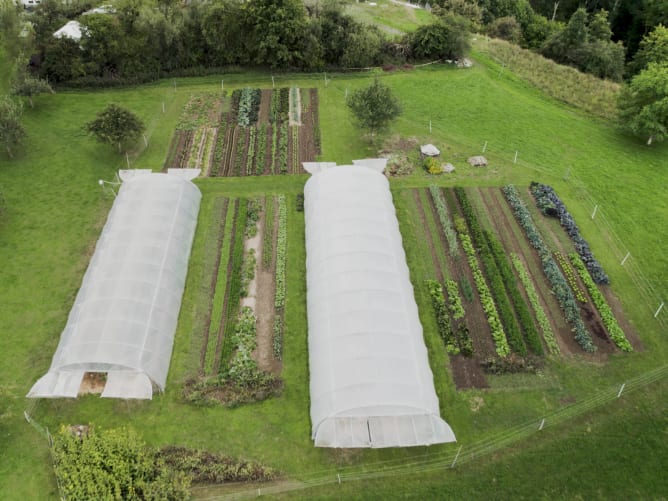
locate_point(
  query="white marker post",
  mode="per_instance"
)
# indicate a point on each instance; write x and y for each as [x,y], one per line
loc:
[222,85]
[515,159]
[593,214]
[273,84]
[163,106]
[127,158]
[145,140]
[625,258]
[429,126]
[484,147]
[659,310]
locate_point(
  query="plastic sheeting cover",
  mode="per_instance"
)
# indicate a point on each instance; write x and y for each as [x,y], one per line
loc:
[125,314]
[370,381]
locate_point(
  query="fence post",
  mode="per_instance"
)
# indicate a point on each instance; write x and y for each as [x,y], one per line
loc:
[339,478]
[593,214]
[515,160]
[484,147]
[621,389]
[454,461]
[657,311]
[625,258]
[542,423]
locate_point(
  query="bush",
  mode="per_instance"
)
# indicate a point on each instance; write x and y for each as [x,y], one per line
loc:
[432,166]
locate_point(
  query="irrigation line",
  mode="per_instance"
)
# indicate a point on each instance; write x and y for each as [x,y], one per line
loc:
[444,460]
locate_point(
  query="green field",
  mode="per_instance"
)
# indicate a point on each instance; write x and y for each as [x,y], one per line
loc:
[54,211]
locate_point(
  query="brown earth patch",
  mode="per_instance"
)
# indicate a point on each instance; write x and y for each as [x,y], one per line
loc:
[264,304]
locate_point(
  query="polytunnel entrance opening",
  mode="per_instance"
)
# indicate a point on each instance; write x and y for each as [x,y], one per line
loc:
[93,383]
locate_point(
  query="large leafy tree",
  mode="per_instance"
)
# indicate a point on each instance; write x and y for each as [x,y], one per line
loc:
[653,49]
[374,107]
[12,132]
[116,126]
[447,38]
[643,103]
[277,31]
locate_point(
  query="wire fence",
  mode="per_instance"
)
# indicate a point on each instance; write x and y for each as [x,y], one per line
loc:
[445,460]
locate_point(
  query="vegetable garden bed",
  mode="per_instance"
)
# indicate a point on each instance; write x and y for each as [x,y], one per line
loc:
[518,307]
[249,132]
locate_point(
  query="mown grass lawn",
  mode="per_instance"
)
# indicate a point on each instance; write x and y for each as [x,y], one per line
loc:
[55,210]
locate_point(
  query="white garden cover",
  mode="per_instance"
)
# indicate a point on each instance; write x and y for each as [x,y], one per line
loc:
[371,385]
[124,317]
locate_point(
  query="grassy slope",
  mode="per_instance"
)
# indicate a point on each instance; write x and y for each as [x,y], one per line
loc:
[55,212]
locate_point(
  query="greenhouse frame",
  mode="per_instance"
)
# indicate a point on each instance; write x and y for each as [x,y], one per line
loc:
[370,380]
[124,316]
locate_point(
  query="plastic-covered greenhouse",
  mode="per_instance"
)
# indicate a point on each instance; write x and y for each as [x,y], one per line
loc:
[370,381]
[124,317]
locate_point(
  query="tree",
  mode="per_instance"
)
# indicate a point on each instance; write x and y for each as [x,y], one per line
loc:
[374,107]
[506,28]
[116,126]
[277,31]
[564,46]
[12,132]
[653,49]
[643,103]
[445,39]
[29,86]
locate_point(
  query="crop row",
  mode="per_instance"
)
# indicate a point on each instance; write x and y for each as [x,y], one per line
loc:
[454,300]
[571,277]
[550,204]
[541,317]
[281,251]
[444,218]
[234,280]
[277,339]
[268,236]
[442,318]
[217,246]
[283,149]
[523,314]
[295,110]
[497,285]
[556,279]
[247,272]
[240,151]
[295,148]
[274,148]
[609,320]
[261,150]
[279,107]
[249,105]
[250,153]
[242,368]
[488,305]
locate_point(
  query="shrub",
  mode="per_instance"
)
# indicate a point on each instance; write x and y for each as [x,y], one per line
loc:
[432,166]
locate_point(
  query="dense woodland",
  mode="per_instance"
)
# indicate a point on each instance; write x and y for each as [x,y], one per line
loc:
[147,39]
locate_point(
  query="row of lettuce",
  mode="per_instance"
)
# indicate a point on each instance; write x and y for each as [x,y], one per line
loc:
[502,281]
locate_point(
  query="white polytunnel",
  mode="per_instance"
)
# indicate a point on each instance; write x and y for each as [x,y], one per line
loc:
[370,380]
[124,316]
